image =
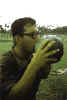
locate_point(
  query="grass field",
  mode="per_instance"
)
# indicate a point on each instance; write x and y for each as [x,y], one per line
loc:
[41,94]
[5,46]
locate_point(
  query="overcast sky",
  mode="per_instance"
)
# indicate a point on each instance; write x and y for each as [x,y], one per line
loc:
[46,12]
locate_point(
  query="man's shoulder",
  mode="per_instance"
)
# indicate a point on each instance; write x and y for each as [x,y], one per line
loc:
[6,57]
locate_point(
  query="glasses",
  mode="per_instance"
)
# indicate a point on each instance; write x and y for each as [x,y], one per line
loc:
[33,34]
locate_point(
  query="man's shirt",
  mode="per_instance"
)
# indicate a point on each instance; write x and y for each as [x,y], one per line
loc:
[10,74]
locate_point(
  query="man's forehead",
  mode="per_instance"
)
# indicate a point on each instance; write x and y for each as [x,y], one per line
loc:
[29,24]
[30,27]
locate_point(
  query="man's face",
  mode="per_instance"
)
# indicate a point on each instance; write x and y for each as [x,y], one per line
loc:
[28,41]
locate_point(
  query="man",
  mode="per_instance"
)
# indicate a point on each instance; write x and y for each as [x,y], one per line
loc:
[21,69]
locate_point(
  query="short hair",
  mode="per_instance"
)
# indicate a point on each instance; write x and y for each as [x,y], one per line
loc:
[17,27]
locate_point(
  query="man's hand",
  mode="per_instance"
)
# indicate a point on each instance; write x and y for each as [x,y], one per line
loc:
[43,54]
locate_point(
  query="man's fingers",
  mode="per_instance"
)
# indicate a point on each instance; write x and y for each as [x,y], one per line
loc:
[52,60]
[44,44]
[53,52]
[49,46]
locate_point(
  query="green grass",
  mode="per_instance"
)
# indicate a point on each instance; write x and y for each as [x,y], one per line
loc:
[5,46]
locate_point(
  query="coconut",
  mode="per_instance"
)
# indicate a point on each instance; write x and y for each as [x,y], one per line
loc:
[57,45]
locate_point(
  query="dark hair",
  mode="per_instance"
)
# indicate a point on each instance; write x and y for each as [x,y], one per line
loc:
[17,28]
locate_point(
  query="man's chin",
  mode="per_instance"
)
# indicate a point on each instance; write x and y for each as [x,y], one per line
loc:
[30,51]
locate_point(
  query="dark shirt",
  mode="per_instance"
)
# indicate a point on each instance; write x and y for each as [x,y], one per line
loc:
[10,73]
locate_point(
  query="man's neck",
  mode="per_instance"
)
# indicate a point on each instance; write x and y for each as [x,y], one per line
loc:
[21,54]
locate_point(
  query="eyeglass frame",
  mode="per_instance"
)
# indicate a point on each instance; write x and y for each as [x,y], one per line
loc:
[32,35]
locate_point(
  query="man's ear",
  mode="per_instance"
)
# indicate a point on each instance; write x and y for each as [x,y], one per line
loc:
[17,38]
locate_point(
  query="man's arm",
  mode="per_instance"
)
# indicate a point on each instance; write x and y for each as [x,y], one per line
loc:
[25,84]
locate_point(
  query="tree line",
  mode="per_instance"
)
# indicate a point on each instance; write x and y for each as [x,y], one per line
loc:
[42,29]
